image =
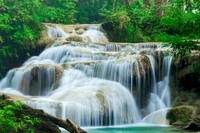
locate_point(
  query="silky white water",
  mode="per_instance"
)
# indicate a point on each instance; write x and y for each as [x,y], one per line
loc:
[93,81]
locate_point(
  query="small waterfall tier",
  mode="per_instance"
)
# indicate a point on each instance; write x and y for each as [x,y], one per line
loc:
[82,76]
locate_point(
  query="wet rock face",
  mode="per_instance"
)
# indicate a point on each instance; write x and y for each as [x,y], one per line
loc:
[185,83]
[44,39]
[188,72]
[36,80]
[44,78]
[144,66]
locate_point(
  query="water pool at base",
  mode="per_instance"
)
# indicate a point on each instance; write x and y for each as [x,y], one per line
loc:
[136,129]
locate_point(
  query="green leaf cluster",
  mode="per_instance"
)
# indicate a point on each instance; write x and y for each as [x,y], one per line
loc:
[10,122]
[182,18]
[135,24]
[57,11]
[90,11]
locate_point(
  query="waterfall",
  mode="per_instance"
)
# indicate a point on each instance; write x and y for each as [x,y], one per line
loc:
[94,82]
[160,97]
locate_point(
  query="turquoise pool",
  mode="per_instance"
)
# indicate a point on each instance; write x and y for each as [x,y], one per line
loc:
[135,129]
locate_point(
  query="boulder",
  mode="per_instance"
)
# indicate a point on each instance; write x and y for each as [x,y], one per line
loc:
[181,116]
[44,39]
[194,124]
[186,116]
[33,82]
[80,31]
[74,37]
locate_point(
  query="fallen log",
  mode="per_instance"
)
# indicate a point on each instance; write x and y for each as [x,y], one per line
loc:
[69,125]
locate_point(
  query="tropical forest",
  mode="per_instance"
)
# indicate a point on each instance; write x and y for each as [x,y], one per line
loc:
[99,66]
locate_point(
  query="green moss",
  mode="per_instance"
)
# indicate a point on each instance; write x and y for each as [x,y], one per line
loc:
[179,123]
[181,114]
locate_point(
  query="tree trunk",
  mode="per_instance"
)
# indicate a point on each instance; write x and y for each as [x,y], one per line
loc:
[127,5]
[147,3]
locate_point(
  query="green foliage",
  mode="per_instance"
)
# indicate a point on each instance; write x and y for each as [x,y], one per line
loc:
[19,28]
[181,28]
[181,32]
[144,19]
[135,24]
[58,11]
[9,122]
[197,68]
[180,21]
[90,11]
[120,22]
[182,47]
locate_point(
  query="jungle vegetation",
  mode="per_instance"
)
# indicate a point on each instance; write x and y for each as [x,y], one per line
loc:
[176,22]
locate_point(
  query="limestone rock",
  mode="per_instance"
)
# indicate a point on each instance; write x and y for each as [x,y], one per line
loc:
[45,40]
[75,37]
[33,80]
[80,31]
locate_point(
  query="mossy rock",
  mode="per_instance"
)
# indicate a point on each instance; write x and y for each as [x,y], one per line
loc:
[179,124]
[195,124]
[196,103]
[181,115]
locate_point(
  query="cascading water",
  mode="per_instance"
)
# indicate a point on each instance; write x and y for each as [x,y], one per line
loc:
[159,98]
[92,81]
